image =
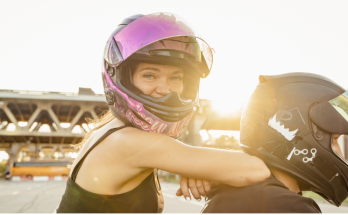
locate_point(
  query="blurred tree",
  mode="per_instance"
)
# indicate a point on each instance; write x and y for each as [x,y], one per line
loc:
[226,142]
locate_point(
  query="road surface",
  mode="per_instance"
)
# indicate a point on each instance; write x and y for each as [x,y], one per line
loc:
[44,196]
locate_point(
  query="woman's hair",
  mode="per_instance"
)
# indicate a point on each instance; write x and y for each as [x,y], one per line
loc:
[107,116]
[102,120]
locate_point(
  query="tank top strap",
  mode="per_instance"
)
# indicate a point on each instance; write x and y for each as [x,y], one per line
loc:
[79,164]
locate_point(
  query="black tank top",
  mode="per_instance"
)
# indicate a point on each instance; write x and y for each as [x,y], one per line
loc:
[145,198]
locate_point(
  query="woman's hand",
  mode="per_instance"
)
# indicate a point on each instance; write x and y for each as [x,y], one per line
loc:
[198,188]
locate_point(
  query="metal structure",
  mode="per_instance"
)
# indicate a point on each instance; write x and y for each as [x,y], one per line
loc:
[44,124]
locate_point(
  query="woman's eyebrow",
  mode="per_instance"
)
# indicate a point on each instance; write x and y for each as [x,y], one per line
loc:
[158,70]
[178,72]
[150,68]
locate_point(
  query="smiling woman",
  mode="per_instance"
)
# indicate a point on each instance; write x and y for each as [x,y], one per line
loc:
[151,73]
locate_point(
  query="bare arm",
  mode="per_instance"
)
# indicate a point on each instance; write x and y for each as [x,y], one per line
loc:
[150,150]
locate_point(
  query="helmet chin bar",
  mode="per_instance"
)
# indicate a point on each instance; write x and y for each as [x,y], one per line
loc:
[172,99]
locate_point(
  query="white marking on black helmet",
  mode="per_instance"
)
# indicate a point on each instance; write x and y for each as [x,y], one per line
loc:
[289,135]
[306,159]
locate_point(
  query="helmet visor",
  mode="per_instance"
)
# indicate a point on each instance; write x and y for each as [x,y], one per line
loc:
[332,116]
[162,34]
[340,104]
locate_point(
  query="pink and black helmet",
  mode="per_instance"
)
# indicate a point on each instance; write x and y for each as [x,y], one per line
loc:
[159,38]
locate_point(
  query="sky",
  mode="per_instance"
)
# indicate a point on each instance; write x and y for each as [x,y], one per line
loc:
[49,45]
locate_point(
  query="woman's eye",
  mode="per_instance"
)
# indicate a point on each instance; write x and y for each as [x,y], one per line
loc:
[149,76]
[177,78]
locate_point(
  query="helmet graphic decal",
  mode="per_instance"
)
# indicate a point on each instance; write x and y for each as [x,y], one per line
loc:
[289,135]
[297,152]
[313,151]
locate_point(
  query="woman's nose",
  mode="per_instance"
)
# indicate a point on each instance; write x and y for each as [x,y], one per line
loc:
[163,88]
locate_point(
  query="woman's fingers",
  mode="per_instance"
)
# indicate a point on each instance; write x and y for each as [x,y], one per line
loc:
[184,188]
[197,187]
[193,187]
[200,187]
[179,192]
[207,185]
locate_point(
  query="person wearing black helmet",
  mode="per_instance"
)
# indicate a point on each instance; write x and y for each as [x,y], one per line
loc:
[292,122]
[151,70]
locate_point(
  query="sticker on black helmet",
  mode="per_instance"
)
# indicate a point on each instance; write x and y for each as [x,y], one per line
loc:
[304,152]
[273,123]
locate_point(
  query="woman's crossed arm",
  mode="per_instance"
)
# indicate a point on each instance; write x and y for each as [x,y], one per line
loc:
[145,150]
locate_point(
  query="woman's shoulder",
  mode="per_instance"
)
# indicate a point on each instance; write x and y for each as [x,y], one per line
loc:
[130,133]
[133,137]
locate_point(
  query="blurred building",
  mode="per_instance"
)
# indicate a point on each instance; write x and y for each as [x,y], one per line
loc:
[43,125]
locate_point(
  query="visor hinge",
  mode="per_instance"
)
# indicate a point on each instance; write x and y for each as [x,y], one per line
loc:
[109,97]
[111,71]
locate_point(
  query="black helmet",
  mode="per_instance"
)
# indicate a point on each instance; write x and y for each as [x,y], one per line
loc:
[289,123]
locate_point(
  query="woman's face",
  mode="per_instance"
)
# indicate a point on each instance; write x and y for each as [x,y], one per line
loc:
[158,80]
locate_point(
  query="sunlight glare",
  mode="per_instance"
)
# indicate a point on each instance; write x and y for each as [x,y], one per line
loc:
[4,156]
[65,124]
[225,107]
[204,135]
[85,126]
[3,124]
[73,155]
[45,128]
[11,127]
[22,123]
[32,126]
[77,130]
[55,126]
[218,133]
[91,125]
[41,154]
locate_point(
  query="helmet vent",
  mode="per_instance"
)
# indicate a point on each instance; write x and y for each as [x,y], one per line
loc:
[318,134]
